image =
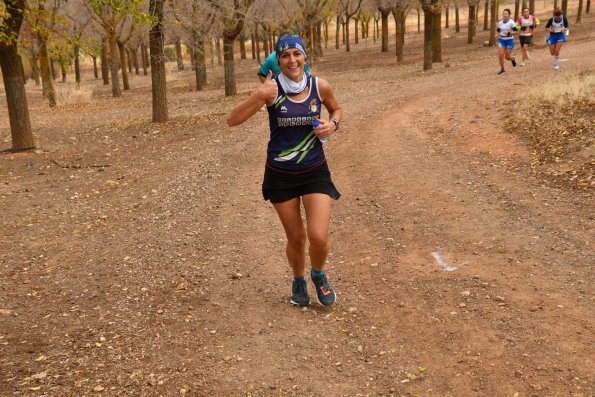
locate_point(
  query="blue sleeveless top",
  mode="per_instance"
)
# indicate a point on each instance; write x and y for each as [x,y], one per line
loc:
[293,146]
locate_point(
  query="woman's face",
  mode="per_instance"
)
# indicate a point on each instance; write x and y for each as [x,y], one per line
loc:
[291,63]
[526,13]
[505,15]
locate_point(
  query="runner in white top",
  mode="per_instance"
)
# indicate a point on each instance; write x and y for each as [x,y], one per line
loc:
[506,31]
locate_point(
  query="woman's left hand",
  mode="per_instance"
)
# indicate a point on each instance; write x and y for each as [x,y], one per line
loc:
[325,129]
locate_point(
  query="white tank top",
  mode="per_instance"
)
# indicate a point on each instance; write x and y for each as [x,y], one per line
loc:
[558,26]
[526,22]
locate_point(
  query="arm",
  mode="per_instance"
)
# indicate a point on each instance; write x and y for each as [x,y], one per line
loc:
[548,25]
[265,94]
[327,127]
[565,22]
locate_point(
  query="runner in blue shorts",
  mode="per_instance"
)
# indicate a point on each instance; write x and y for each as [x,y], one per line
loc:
[506,30]
[558,28]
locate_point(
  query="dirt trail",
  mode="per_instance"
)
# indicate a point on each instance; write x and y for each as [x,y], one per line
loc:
[166,271]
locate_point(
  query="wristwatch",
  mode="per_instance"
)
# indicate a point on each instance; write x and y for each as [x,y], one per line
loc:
[334,120]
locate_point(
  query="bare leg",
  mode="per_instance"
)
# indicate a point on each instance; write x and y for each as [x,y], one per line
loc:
[290,215]
[318,214]
[501,57]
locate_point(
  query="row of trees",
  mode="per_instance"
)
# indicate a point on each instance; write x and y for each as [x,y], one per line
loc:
[43,33]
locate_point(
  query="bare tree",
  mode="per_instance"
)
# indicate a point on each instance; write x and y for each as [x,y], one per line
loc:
[110,15]
[384,7]
[158,83]
[350,8]
[12,74]
[233,15]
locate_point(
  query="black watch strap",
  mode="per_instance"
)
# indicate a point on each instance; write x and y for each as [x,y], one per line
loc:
[334,120]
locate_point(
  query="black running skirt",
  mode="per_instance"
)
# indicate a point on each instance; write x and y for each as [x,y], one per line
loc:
[279,186]
[525,40]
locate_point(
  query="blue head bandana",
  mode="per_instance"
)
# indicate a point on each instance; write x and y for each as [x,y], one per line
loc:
[288,41]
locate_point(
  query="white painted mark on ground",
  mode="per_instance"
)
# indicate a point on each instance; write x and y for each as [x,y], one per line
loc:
[445,266]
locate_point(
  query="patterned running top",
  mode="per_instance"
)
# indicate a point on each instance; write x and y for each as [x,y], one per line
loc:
[293,147]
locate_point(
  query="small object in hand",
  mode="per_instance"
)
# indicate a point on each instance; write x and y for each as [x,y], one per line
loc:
[523,28]
[498,30]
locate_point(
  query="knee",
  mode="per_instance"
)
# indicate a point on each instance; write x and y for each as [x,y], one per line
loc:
[318,239]
[297,239]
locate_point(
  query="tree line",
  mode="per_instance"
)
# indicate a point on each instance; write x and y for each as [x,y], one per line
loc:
[49,36]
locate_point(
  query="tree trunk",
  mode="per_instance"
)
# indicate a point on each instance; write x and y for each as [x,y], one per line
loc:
[493,19]
[516,9]
[338,29]
[384,17]
[143,56]
[347,47]
[446,16]
[33,60]
[471,24]
[46,71]
[266,46]
[457,20]
[192,64]
[12,75]
[564,7]
[325,34]
[418,21]
[179,57]
[399,24]
[104,62]
[63,71]
[555,5]
[252,46]
[95,71]
[428,19]
[158,82]
[218,47]
[228,66]
[588,7]
[77,66]
[134,56]
[486,13]
[53,70]
[318,41]
[200,61]
[242,46]
[532,6]
[356,27]
[129,60]
[579,13]
[123,63]
[257,38]
[437,37]
[114,63]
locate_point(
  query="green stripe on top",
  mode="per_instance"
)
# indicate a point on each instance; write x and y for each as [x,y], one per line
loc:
[298,147]
[306,152]
[280,101]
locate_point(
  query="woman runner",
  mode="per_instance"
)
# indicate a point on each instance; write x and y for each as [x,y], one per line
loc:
[526,23]
[296,172]
[558,28]
[506,29]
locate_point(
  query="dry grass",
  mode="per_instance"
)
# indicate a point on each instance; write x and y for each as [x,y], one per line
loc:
[68,95]
[558,124]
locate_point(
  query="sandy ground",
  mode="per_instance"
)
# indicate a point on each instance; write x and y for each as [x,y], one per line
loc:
[140,259]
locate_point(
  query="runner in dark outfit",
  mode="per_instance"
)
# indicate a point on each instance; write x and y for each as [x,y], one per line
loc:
[296,172]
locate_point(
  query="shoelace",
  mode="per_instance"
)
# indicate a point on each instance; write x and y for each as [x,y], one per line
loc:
[300,287]
[324,283]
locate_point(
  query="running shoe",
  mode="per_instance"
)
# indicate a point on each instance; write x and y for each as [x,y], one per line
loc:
[513,61]
[556,66]
[522,64]
[325,295]
[299,292]
[501,71]
[528,56]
